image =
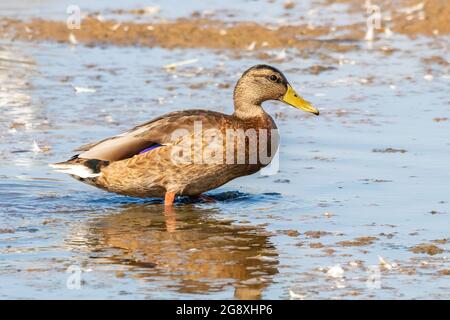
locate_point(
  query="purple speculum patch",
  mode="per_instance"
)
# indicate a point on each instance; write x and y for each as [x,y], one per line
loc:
[150,148]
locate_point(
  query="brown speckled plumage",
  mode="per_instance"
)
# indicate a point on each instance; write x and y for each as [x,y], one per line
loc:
[117,166]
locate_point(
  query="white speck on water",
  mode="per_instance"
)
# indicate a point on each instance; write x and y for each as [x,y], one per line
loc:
[412,9]
[384,264]
[340,284]
[100,18]
[296,296]
[116,26]
[72,39]
[84,89]
[281,55]
[109,119]
[175,65]
[252,281]
[152,10]
[35,148]
[264,258]
[336,271]
[421,15]
[251,46]
[350,211]
[387,32]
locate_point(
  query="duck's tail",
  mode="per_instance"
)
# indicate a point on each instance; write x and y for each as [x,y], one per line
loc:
[81,168]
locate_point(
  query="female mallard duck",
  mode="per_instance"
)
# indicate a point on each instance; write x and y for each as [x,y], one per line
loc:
[190,152]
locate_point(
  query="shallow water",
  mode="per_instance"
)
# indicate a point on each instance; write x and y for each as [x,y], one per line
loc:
[256,240]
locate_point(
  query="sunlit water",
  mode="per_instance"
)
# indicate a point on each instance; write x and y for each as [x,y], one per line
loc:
[254,241]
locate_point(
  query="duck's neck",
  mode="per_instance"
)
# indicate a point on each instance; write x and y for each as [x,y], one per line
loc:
[248,110]
[247,104]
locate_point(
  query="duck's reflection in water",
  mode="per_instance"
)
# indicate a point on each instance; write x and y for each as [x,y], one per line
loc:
[189,247]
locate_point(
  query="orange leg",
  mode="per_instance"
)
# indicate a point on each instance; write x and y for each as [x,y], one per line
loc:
[171,219]
[169,199]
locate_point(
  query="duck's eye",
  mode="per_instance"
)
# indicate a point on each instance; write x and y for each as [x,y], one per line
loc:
[273,78]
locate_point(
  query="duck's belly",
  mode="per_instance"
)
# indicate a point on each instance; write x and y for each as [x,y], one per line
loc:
[187,180]
[205,178]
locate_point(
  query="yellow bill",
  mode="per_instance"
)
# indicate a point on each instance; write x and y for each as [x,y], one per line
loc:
[292,98]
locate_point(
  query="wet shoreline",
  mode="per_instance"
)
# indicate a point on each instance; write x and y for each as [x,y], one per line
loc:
[427,19]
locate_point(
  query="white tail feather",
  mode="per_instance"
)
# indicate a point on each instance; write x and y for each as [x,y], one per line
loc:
[74,169]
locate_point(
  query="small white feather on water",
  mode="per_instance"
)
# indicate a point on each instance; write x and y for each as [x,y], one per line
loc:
[100,18]
[281,55]
[336,271]
[264,258]
[251,46]
[179,64]
[36,148]
[388,32]
[84,89]
[340,283]
[296,296]
[369,34]
[72,39]
[116,26]
[385,264]
[412,9]
[151,10]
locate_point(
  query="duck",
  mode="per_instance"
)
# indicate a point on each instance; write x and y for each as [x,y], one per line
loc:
[190,152]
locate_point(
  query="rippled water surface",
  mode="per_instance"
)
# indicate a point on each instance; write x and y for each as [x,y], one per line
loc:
[369,178]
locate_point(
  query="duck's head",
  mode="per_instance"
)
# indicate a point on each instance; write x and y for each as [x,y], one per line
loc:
[261,83]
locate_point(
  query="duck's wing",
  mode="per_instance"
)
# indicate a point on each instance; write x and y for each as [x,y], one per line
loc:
[159,131]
